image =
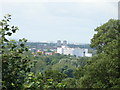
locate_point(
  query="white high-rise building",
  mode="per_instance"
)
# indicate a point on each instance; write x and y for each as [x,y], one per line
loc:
[73,51]
[60,50]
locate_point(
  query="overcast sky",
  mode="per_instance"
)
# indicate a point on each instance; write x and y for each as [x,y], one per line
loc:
[51,20]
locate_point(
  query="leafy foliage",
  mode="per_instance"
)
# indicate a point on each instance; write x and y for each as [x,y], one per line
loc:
[15,64]
[107,38]
[47,80]
[103,70]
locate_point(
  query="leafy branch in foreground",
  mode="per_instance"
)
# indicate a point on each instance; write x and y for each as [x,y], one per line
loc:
[15,64]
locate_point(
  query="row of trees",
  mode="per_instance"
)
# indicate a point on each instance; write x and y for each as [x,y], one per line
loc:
[21,70]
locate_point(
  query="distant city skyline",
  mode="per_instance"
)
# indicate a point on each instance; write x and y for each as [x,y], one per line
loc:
[52,20]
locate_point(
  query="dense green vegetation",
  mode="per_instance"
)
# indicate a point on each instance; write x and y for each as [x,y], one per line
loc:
[62,63]
[21,70]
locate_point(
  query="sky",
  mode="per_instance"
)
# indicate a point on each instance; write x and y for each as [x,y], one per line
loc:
[52,20]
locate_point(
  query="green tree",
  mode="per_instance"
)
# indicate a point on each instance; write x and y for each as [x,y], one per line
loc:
[44,81]
[103,70]
[70,82]
[15,64]
[107,38]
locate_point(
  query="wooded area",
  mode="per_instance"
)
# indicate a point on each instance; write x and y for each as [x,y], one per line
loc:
[21,70]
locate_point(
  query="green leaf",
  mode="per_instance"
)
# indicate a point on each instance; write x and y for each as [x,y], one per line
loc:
[20,40]
[25,40]
[12,27]
[26,49]
[22,45]
[5,40]
[13,30]
[9,33]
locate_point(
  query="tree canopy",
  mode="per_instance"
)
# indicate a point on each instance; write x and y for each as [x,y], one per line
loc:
[103,69]
[15,64]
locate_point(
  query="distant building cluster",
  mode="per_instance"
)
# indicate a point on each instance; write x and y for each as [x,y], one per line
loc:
[59,47]
[44,52]
[78,52]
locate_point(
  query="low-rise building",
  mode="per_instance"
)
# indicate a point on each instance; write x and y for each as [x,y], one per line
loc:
[48,53]
[73,51]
